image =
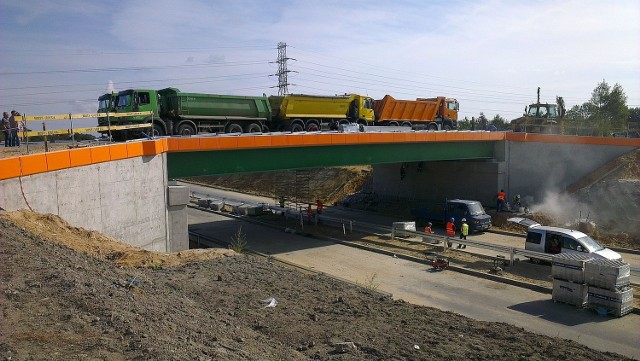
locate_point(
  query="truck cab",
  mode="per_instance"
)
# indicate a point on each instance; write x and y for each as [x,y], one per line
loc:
[106,104]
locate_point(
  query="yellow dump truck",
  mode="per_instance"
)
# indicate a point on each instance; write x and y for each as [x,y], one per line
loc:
[312,113]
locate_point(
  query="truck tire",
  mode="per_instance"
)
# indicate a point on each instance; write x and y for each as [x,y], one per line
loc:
[157,130]
[447,127]
[406,124]
[234,128]
[297,127]
[432,126]
[186,130]
[253,128]
[312,126]
[393,124]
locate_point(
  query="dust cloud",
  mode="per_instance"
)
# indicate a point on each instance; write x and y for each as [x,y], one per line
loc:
[564,208]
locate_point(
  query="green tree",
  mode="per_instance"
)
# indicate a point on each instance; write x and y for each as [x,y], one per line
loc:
[464,124]
[608,108]
[634,115]
[499,122]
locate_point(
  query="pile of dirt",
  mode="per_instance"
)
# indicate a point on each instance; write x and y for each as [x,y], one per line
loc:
[330,184]
[54,229]
[59,303]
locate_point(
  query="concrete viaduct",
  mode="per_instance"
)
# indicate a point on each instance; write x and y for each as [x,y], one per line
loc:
[126,190]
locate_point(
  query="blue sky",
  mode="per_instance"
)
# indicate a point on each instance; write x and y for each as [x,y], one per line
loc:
[59,56]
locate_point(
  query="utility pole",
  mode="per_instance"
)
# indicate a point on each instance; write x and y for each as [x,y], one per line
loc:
[283,83]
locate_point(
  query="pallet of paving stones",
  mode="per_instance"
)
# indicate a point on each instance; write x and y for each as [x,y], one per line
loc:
[617,303]
[607,274]
[571,293]
[569,266]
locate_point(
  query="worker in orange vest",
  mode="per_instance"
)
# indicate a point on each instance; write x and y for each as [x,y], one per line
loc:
[451,230]
[502,198]
[427,228]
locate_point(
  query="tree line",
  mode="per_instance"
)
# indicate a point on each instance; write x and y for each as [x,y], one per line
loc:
[605,114]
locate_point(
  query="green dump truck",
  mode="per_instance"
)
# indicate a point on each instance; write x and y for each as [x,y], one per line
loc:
[176,112]
[173,112]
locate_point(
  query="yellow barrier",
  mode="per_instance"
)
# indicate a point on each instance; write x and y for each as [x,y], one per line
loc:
[34,133]
[31,118]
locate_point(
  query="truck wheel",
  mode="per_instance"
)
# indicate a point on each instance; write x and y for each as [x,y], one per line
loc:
[186,130]
[157,130]
[253,128]
[447,127]
[312,127]
[234,128]
[265,129]
[433,126]
[393,124]
[296,128]
[406,124]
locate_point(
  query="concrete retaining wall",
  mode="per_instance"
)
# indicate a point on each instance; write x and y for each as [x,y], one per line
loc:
[530,169]
[124,199]
[535,168]
[433,182]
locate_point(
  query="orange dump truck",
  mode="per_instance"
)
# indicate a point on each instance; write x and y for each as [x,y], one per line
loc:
[423,113]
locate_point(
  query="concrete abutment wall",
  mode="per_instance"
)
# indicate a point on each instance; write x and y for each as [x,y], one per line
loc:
[530,169]
[124,199]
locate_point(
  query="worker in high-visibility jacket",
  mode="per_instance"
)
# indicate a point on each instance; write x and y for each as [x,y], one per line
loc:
[451,230]
[464,231]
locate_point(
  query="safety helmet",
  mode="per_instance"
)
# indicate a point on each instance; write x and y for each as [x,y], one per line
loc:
[429,224]
[464,219]
[451,219]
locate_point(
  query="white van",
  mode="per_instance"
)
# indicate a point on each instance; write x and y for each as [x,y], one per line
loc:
[553,240]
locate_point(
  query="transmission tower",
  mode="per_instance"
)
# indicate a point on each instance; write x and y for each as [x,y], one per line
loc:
[283,83]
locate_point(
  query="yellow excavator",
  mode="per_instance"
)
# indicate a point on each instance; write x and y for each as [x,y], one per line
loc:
[541,117]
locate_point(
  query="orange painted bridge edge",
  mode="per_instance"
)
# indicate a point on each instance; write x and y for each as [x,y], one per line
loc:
[572,139]
[47,162]
[227,142]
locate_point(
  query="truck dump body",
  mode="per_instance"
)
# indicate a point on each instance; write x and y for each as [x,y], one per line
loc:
[178,105]
[423,110]
[390,108]
[327,107]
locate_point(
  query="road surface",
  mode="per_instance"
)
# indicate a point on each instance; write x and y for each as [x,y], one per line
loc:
[413,282]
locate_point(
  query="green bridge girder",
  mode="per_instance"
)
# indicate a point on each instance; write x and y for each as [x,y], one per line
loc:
[203,163]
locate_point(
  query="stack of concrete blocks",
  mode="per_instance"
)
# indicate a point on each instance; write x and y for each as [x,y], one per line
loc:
[567,270]
[216,205]
[609,288]
[399,227]
[250,209]
[204,202]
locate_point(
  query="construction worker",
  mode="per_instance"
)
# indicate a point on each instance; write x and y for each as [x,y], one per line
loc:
[501,198]
[309,213]
[451,230]
[427,229]
[319,206]
[464,231]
